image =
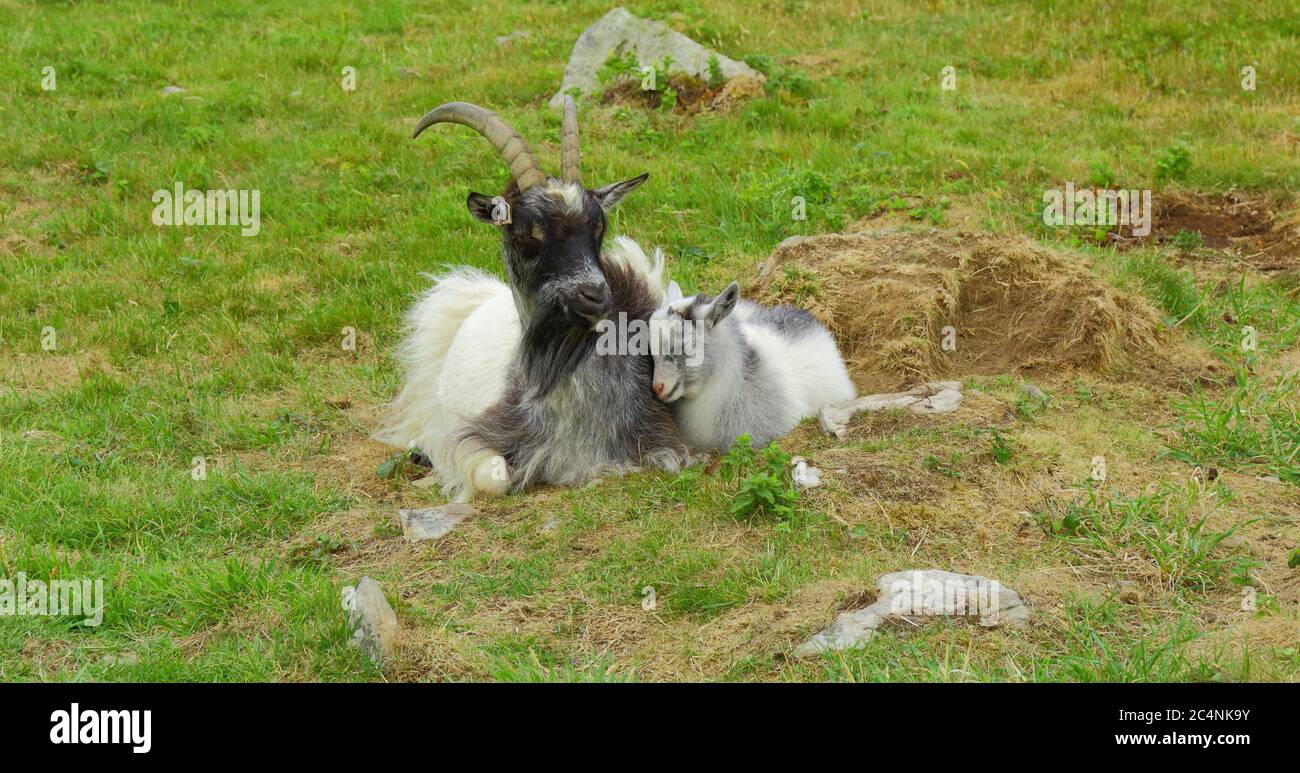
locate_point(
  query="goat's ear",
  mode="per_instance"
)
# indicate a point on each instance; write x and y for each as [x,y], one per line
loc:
[610,195]
[492,210]
[723,305]
[673,292]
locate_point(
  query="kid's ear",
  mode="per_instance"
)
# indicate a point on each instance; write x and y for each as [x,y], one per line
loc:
[492,210]
[610,195]
[673,292]
[725,302]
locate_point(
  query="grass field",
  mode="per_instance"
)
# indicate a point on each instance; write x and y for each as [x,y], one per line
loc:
[127,349]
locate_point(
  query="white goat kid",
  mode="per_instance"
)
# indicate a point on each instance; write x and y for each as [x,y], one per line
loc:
[729,367]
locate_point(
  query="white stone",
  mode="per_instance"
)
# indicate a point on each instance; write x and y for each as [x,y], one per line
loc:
[167,91]
[372,621]
[803,474]
[651,40]
[432,522]
[918,594]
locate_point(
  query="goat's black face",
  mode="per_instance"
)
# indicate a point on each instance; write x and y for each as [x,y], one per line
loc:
[552,235]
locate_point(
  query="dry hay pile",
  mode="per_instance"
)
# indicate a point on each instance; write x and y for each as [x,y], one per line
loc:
[1015,306]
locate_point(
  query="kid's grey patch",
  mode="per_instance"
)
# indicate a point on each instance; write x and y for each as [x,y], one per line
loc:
[372,621]
[790,321]
[432,522]
[914,595]
[931,397]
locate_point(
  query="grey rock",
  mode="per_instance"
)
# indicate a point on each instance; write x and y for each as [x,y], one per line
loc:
[619,30]
[428,523]
[167,91]
[372,621]
[931,397]
[505,41]
[916,594]
[127,658]
[1034,393]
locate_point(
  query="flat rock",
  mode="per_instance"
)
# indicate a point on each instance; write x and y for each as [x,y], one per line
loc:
[618,31]
[931,397]
[372,621]
[917,594]
[428,523]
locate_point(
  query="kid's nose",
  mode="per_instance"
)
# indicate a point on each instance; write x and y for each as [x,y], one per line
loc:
[659,388]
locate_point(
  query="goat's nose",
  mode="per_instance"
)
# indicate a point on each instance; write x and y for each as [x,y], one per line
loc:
[594,294]
[659,388]
[590,300]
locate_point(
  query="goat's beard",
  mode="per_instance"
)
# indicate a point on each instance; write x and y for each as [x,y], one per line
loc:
[553,348]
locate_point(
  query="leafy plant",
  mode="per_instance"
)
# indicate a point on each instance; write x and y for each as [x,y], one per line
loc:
[999,445]
[780,78]
[948,468]
[767,488]
[1174,162]
[716,77]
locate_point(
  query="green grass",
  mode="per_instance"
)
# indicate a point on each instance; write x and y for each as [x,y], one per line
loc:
[173,343]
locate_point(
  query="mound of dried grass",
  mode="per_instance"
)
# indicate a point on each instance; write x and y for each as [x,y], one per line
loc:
[1014,306]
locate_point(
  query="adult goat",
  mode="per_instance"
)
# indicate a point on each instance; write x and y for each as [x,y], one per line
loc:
[502,385]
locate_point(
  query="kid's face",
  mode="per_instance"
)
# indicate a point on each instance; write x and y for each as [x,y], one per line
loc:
[677,349]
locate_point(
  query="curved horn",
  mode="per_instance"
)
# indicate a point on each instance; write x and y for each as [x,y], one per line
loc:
[512,147]
[570,156]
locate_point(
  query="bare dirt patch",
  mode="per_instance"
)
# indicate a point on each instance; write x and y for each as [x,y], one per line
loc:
[1240,225]
[1014,306]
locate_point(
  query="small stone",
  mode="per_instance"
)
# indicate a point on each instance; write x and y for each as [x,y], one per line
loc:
[803,474]
[406,72]
[1034,393]
[918,594]
[429,523]
[127,658]
[370,618]
[167,91]
[506,41]
[340,402]
[551,524]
